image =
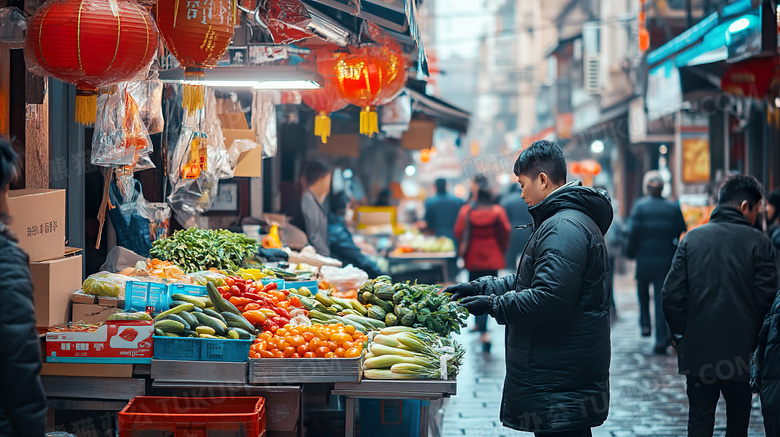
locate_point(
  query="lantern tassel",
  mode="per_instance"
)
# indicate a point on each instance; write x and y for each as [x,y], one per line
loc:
[86,107]
[369,122]
[322,127]
[193,99]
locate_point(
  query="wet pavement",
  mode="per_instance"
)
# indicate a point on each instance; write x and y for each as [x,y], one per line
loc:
[647,396]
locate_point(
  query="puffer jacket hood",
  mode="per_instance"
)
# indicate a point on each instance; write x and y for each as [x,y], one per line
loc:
[595,203]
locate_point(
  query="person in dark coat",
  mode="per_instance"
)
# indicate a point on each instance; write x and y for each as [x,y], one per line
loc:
[488,230]
[556,308]
[517,212]
[342,245]
[765,371]
[722,283]
[773,221]
[654,229]
[441,211]
[22,400]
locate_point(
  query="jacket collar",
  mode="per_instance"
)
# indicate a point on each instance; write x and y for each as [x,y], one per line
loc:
[591,202]
[727,214]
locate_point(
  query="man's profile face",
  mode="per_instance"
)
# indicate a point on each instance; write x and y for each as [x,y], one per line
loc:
[533,188]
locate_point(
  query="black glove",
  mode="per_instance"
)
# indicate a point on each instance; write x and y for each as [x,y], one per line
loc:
[477,305]
[459,291]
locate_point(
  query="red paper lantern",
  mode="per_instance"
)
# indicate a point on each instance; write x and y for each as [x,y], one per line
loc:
[92,44]
[371,76]
[325,101]
[198,33]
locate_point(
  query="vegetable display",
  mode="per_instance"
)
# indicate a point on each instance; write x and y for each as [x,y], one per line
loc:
[412,305]
[212,317]
[316,341]
[263,306]
[104,284]
[196,249]
[325,309]
[401,352]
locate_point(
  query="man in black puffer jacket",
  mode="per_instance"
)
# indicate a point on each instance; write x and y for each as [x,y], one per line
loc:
[655,227]
[556,308]
[22,401]
[721,284]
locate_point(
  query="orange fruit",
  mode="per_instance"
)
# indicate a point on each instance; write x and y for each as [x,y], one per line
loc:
[289,351]
[287,327]
[302,349]
[309,355]
[332,345]
[281,332]
[340,338]
[331,355]
[339,352]
[266,354]
[296,341]
[349,329]
[279,354]
[321,351]
[352,353]
[284,345]
[307,336]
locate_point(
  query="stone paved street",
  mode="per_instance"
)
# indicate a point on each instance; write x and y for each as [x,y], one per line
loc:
[647,396]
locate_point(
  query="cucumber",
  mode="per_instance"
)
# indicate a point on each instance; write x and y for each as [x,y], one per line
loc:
[178,319]
[220,304]
[304,291]
[234,321]
[171,334]
[350,311]
[188,333]
[175,303]
[216,315]
[376,312]
[215,324]
[242,334]
[324,299]
[368,322]
[169,326]
[359,307]
[159,332]
[208,336]
[196,310]
[233,335]
[200,303]
[205,330]
[189,318]
[176,310]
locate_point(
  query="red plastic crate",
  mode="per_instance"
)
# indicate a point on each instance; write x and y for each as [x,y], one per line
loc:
[147,416]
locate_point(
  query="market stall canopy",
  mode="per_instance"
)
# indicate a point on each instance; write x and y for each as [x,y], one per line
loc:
[446,115]
[399,16]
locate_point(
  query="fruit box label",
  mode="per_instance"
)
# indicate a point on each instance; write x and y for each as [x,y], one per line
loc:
[113,342]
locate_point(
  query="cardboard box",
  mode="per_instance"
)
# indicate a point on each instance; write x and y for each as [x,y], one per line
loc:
[120,342]
[38,220]
[91,370]
[54,282]
[235,127]
[92,313]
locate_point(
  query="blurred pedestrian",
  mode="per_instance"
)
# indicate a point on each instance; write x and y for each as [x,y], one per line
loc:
[765,372]
[722,283]
[22,400]
[555,309]
[342,245]
[520,220]
[316,178]
[483,231]
[773,221]
[655,227]
[385,198]
[441,211]
[614,239]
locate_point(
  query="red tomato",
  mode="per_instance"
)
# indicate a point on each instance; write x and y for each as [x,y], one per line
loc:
[229,281]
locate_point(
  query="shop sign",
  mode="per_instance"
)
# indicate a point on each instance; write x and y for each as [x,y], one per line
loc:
[664,91]
[695,155]
[752,78]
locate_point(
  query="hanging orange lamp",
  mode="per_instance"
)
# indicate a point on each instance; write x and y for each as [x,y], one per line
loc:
[92,44]
[371,76]
[325,100]
[198,33]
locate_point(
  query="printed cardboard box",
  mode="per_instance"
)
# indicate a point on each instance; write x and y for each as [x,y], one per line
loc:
[38,222]
[120,342]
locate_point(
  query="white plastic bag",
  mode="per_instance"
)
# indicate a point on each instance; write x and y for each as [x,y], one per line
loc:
[264,121]
[344,279]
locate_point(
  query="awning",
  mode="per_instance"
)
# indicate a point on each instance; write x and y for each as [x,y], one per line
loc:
[445,114]
[395,15]
[727,35]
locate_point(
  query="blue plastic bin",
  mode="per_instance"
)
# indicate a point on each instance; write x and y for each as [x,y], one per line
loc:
[390,417]
[201,349]
[190,290]
[143,296]
[280,284]
[311,285]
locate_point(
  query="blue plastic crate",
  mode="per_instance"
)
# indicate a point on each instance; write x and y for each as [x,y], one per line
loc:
[201,349]
[280,284]
[146,296]
[187,289]
[311,285]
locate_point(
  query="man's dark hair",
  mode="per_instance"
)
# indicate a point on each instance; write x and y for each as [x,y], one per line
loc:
[8,163]
[314,170]
[737,189]
[441,186]
[773,198]
[542,157]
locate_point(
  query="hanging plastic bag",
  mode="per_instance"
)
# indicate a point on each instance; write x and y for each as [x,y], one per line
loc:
[264,122]
[120,137]
[344,279]
[148,95]
[287,21]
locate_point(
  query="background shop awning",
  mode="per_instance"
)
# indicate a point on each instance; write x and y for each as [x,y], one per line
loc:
[446,115]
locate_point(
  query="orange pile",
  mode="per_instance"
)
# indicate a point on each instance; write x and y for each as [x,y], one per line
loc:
[316,341]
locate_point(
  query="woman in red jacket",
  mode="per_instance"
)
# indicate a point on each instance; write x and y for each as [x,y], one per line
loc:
[483,230]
